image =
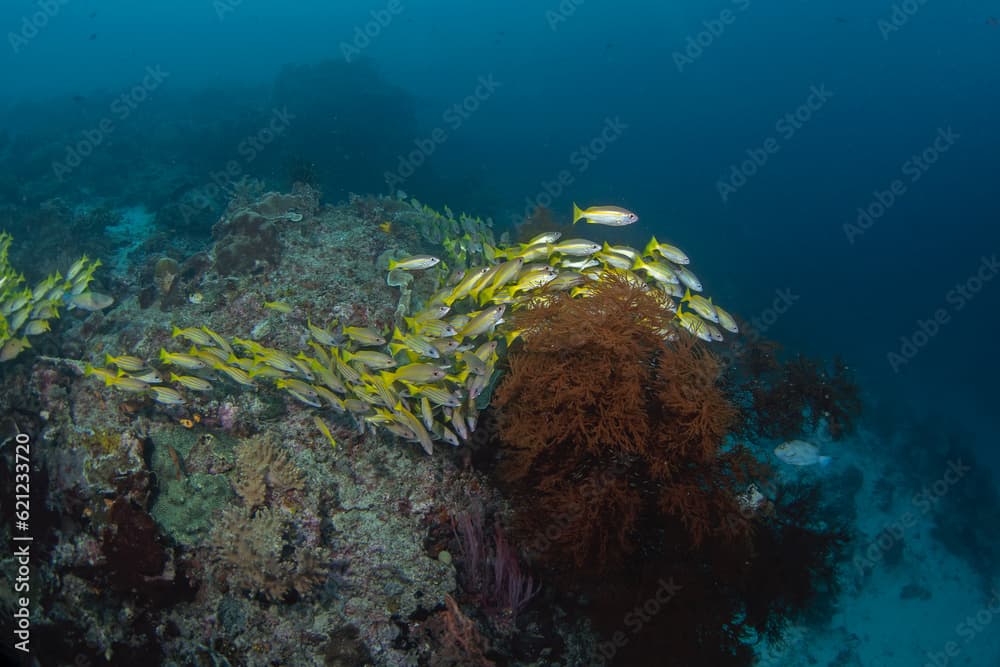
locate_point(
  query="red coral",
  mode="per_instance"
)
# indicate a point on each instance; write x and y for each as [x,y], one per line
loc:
[458,640]
[791,397]
[609,428]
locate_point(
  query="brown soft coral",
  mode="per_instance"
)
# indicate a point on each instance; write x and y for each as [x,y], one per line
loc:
[609,427]
[792,397]
[263,469]
[699,414]
[252,552]
[589,360]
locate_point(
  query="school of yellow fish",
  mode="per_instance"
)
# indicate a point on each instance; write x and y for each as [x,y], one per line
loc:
[421,381]
[26,311]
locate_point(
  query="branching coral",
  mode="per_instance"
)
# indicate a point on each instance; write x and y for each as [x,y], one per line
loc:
[459,642]
[789,397]
[687,377]
[616,454]
[490,568]
[608,426]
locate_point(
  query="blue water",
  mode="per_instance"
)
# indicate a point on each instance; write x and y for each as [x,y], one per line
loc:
[872,91]
[562,73]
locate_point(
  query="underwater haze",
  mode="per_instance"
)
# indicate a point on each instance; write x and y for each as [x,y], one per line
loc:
[830,169]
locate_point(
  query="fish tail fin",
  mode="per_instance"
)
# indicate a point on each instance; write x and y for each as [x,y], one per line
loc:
[577,213]
[393,264]
[825,460]
[687,294]
[510,336]
[650,247]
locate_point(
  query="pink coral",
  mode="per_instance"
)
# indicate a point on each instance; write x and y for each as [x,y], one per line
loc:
[227,416]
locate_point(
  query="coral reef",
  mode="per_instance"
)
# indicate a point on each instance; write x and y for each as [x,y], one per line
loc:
[489,567]
[247,237]
[264,473]
[251,553]
[245,241]
[165,276]
[606,425]
[628,494]
[459,643]
[789,398]
[226,528]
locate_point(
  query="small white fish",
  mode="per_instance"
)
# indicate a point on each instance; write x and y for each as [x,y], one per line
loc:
[800,453]
[614,216]
[545,237]
[414,263]
[726,320]
[673,253]
[91,301]
[577,247]
[688,278]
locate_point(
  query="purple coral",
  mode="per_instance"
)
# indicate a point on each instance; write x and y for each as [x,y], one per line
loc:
[227,416]
[490,568]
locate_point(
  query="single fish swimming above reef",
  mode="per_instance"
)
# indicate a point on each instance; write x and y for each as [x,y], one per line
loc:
[614,216]
[800,453]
